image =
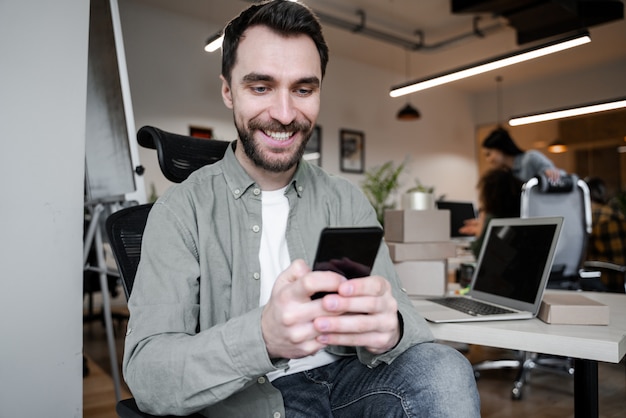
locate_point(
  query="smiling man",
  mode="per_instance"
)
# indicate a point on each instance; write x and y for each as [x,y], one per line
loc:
[221,316]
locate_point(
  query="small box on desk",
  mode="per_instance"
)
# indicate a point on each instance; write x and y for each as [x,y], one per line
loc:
[572,309]
[422,278]
[417,225]
[415,251]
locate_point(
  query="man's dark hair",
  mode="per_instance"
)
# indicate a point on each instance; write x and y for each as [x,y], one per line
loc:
[285,17]
[500,139]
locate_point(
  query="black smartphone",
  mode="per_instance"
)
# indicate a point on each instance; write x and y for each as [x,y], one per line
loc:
[349,251]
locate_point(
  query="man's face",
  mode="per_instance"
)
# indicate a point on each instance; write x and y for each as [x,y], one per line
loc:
[275,96]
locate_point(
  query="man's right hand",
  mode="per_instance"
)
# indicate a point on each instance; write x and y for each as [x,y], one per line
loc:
[287,318]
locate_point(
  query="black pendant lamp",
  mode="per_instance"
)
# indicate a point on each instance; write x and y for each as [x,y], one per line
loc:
[408,112]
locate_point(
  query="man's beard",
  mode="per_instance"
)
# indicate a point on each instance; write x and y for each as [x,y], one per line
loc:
[254,151]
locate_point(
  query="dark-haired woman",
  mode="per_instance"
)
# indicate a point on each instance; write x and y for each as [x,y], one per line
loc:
[501,151]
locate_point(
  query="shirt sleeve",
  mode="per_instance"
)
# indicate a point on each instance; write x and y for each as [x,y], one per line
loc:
[533,163]
[169,365]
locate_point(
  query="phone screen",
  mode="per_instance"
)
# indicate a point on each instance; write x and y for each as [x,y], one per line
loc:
[349,251]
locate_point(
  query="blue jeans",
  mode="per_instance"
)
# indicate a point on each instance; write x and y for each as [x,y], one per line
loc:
[428,380]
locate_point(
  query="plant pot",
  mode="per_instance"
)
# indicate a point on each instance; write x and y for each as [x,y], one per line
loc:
[418,201]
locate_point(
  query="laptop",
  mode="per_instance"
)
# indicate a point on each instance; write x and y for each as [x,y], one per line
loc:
[510,276]
[459,213]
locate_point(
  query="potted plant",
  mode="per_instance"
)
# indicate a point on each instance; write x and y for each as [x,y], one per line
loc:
[419,197]
[379,184]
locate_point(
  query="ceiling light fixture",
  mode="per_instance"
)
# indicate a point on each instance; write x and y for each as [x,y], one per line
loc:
[214,42]
[567,113]
[557,147]
[490,65]
[408,112]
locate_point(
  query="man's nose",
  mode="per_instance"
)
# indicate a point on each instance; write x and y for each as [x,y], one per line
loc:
[283,108]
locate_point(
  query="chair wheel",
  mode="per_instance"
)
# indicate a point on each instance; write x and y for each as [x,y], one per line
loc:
[476,374]
[516,394]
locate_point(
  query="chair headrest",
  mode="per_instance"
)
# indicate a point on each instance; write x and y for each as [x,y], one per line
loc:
[180,155]
[565,184]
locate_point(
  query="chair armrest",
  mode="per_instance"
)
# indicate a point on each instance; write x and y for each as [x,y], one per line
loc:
[127,408]
[604,265]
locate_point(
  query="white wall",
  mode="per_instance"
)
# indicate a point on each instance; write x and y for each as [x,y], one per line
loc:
[43,85]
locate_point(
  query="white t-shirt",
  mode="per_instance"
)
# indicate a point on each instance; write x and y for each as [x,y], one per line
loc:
[274,259]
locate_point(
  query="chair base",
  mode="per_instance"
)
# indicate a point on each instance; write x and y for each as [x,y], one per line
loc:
[534,361]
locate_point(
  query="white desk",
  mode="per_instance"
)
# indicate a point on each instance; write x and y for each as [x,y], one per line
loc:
[586,344]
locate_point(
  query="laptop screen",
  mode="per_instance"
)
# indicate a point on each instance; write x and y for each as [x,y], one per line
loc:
[459,213]
[513,259]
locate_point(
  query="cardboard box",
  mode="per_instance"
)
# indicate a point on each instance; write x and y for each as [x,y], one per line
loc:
[422,278]
[574,309]
[416,251]
[417,225]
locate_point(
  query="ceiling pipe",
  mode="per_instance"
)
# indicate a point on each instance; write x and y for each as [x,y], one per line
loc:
[419,45]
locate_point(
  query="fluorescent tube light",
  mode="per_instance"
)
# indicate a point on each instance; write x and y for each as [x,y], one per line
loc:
[214,42]
[490,65]
[566,113]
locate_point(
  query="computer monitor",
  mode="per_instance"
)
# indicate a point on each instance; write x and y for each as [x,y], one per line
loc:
[459,213]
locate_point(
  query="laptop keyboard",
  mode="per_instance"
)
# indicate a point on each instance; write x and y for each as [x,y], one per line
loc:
[470,306]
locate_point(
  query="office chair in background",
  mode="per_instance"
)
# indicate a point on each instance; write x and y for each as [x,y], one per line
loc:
[569,198]
[178,156]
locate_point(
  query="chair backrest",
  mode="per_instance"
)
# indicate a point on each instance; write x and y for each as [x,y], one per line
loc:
[568,198]
[125,230]
[180,155]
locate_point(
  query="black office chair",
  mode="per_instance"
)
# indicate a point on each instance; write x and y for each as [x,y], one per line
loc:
[179,156]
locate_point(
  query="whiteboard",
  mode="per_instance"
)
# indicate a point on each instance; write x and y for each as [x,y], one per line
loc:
[109,171]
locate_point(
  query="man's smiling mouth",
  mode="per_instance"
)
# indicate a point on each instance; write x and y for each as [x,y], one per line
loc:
[278,136]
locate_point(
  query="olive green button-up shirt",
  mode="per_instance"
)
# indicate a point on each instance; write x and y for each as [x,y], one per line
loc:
[194,341]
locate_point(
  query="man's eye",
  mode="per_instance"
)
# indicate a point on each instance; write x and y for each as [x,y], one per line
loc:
[259,89]
[304,92]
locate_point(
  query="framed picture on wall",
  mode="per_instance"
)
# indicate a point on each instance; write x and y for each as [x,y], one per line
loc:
[200,132]
[352,151]
[313,149]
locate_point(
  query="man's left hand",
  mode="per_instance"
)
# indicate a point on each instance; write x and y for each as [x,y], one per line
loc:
[363,313]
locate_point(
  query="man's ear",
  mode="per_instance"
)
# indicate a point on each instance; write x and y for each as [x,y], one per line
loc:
[227,96]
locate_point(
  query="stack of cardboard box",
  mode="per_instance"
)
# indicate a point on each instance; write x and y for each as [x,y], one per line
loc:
[419,244]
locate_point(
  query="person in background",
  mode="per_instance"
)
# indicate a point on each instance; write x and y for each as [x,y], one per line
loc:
[499,196]
[607,241]
[501,151]
[221,316]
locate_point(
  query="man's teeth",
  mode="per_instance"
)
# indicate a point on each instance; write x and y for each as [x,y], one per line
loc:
[279,136]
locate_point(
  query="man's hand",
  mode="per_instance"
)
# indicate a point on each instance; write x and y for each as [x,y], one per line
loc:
[363,313]
[287,319]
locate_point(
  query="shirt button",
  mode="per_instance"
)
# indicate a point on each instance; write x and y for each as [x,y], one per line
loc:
[256,276]
[261,380]
[276,414]
[237,191]
[256,191]
[300,188]
[256,228]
